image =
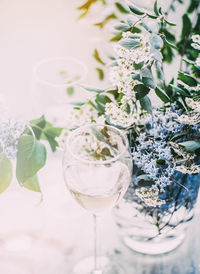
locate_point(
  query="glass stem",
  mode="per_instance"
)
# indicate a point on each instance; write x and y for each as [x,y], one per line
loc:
[97,258]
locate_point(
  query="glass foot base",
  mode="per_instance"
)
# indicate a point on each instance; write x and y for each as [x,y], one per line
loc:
[86,266]
[154,247]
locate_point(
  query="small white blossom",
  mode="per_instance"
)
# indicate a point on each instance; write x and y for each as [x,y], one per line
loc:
[195,46]
[195,105]
[197,62]
[149,196]
[188,170]
[119,116]
[196,38]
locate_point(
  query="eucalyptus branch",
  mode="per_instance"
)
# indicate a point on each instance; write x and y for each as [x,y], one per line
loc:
[138,21]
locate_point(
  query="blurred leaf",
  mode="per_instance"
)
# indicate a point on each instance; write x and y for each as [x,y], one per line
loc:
[86,7]
[70,91]
[31,157]
[5,172]
[94,89]
[193,6]
[97,57]
[155,8]
[37,126]
[50,134]
[106,20]
[136,10]
[187,26]
[100,73]
[121,8]
[116,38]
[32,184]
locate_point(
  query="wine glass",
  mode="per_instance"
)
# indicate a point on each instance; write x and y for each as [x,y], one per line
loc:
[97,170]
[55,83]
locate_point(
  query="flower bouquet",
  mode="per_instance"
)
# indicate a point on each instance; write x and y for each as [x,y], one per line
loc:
[164,140]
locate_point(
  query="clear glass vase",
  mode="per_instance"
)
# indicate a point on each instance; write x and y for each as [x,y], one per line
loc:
[158,230]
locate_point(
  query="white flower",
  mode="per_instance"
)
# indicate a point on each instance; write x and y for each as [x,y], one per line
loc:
[119,116]
[189,120]
[188,170]
[196,38]
[198,61]
[78,117]
[149,196]
[195,105]
[195,46]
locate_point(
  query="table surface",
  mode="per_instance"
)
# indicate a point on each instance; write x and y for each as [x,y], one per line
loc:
[66,236]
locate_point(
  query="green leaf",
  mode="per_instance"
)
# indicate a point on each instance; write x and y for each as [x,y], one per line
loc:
[156,41]
[77,103]
[100,73]
[155,8]
[145,103]
[141,91]
[156,55]
[106,20]
[5,172]
[50,134]
[38,125]
[187,79]
[169,23]
[187,26]
[70,91]
[136,10]
[129,43]
[32,184]
[122,27]
[147,77]
[180,91]
[190,146]
[162,95]
[97,57]
[143,177]
[94,89]
[97,133]
[121,8]
[116,38]
[170,44]
[31,157]
[138,66]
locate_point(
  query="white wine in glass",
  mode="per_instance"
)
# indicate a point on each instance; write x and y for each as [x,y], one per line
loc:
[97,170]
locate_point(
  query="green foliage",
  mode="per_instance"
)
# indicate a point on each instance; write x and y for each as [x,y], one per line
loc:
[32,184]
[145,103]
[46,131]
[121,8]
[5,172]
[31,157]
[191,146]
[100,73]
[97,57]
